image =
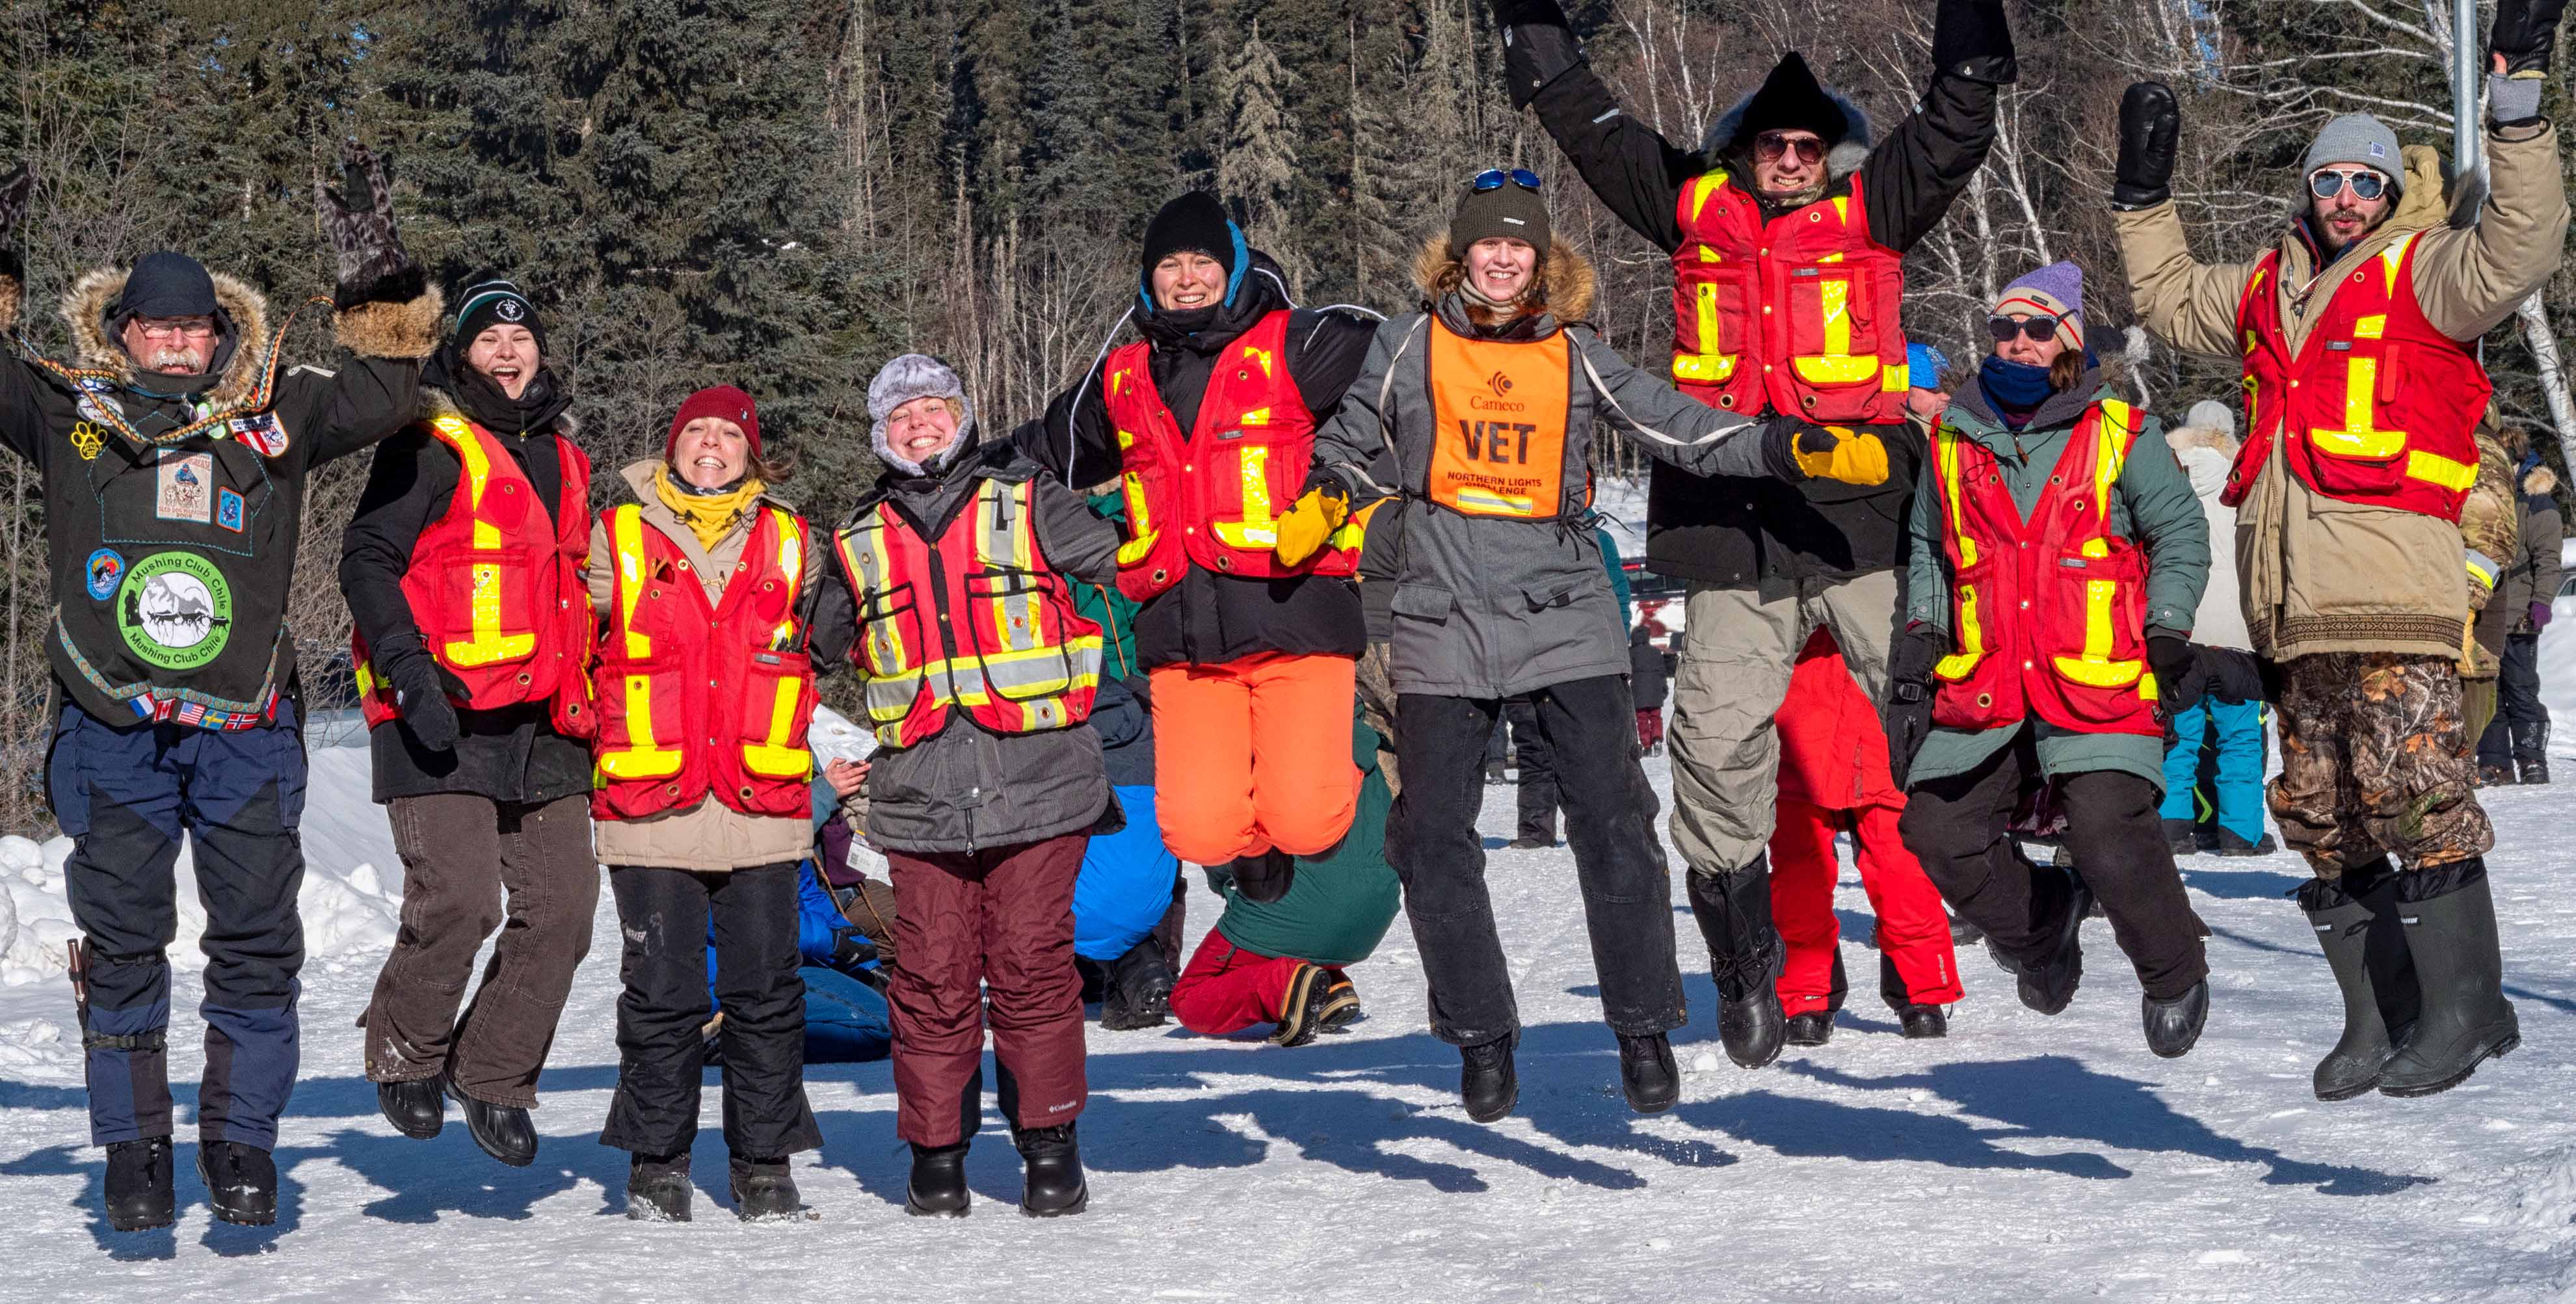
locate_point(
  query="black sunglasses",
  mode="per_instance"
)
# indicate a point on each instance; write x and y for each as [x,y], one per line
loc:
[1493,179]
[1770,145]
[2037,328]
[2365,184]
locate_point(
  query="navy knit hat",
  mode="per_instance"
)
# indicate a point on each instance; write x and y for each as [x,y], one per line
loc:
[496,302]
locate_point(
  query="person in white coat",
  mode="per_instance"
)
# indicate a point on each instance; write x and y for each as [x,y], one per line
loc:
[2231,732]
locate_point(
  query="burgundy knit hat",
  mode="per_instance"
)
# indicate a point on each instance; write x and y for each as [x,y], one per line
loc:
[721,401]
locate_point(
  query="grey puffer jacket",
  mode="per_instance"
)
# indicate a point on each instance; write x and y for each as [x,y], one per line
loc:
[966,788]
[1492,606]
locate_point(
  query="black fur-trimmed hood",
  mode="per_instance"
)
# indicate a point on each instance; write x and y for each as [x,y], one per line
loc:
[245,313]
[1724,141]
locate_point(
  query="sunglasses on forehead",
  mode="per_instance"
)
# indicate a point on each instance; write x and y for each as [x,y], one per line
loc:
[2365,184]
[2036,328]
[1493,179]
[1770,145]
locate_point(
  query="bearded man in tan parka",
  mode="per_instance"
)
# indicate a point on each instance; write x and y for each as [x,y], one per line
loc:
[2358,333]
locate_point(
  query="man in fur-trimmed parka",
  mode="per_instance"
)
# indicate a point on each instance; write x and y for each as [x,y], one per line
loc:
[174,452]
[1787,228]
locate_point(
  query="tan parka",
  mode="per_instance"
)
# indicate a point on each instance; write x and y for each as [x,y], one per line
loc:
[709,835]
[2318,575]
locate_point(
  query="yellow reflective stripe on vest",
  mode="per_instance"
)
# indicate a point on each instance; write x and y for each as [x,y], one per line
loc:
[640,758]
[791,569]
[1836,364]
[488,644]
[626,541]
[1140,517]
[1258,528]
[2096,668]
[892,680]
[2113,432]
[2452,475]
[773,758]
[1971,633]
[1712,364]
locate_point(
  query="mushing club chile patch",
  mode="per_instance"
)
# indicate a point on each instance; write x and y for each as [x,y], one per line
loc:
[175,610]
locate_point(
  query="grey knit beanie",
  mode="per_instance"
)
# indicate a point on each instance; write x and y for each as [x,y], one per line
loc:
[2356,138]
[908,377]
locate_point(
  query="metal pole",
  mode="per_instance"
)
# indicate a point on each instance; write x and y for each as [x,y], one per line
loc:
[2465,47]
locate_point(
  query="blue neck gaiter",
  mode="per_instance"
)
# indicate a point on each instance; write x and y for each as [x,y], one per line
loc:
[2014,389]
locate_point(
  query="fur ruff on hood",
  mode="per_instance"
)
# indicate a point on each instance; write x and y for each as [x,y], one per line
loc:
[85,305]
[1565,275]
[2422,202]
[1841,161]
[11,295]
[2541,481]
[2216,441]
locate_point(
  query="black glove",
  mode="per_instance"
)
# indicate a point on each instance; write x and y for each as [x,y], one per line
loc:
[1971,40]
[2150,121]
[851,949]
[2179,681]
[421,686]
[359,221]
[15,189]
[1907,715]
[2523,33]
[1538,46]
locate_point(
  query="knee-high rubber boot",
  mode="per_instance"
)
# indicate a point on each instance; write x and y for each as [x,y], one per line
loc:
[2452,937]
[2356,922]
[1745,956]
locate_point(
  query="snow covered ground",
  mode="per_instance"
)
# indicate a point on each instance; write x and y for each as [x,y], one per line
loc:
[2022,1159]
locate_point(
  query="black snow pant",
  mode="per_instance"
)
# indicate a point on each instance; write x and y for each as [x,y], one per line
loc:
[1591,730]
[124,793]
[1537,765]
[2514,735]
[1959,827]
[665,915]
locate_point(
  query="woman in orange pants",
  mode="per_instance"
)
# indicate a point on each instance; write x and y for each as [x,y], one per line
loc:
[1833,779]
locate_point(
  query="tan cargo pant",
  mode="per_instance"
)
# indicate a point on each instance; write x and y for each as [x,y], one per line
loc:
[1737,651]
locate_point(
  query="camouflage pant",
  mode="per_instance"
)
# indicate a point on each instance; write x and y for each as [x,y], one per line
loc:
[1377,709]
[2372,760]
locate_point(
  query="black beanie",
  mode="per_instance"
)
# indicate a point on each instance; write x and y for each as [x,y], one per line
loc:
[1791,97]
[1193,223]
[1506,210]
[164,285]
[486,304]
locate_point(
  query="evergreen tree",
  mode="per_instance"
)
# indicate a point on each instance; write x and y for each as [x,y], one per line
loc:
[1259,165]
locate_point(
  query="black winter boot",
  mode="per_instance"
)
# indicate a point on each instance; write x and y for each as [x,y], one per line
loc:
[1647,1073]
[1813,1028]
[2531,751]
[1341,1002]
[2184,836]
[2495,774]
[763,1190]
[138,1185]
[2048,985]
[1309,988]
[417,1109]
[1137,990]
[2231,844]
[2174,1026]
[657,1190]
[1744,955]
[938,1185]
[1264,878]
[504,1131]
[2356,921]
[1054,1186]
[2452,937]
[241,1182]
[1922,1022]
[1487,1083]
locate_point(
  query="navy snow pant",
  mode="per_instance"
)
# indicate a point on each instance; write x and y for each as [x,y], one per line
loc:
[124,793]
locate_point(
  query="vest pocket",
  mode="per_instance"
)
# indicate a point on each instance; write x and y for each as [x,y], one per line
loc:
[1017,632]
[2094,628]
[892,653]
[642,709]
[487,606]
[776,706]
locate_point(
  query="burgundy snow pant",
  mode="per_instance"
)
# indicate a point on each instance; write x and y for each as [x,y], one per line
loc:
[999,922]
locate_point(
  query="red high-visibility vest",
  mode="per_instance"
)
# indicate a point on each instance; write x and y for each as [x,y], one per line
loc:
[698,700]
[2048,615]
[1213,498]
[2378,408]
[496,586]
[977,618]
[1797,315]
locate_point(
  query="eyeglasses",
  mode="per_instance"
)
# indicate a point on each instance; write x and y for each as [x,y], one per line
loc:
[2038,329]
[1493,179]
[2366,184]
[1770,145]
[195,329]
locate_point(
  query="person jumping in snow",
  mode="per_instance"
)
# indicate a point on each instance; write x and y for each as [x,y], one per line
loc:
[1485,402]
[1787,229]
[2058,557]
[2358,331]
[949,592]
[173,665]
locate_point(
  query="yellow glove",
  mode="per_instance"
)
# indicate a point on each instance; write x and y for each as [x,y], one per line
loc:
[1307,525]
[1841,453]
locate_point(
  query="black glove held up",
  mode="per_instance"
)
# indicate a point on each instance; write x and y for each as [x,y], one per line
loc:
[2150,122]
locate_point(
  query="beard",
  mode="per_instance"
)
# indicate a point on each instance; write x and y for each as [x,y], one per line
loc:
[179,361]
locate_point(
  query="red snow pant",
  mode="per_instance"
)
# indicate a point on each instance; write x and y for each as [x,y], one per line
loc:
[996,922]
[1650,727]
[1228,989]
[1916,963]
